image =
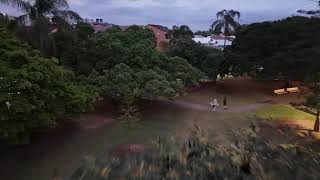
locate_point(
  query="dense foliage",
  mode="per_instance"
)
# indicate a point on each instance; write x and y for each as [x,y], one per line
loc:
[207,59]
[128,66]
[288,48]
[66,39]
[250,156]
[34,91]
[179,32]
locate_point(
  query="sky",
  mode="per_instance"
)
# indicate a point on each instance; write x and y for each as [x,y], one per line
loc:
[198,14]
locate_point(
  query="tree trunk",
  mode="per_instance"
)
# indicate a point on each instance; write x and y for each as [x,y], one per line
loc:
[316,124]
[225,42]
[226,32]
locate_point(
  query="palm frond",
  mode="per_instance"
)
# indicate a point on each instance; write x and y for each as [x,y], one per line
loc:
[217,23]
[234,14]
[46,6]
[221,14]
[219,27]
[21,5]
[232,23]
[59,4]
[67,15]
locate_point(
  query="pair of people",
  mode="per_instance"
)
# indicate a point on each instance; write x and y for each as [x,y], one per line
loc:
[214,104]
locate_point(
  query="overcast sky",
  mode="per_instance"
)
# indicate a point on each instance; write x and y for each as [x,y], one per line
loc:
[198,14]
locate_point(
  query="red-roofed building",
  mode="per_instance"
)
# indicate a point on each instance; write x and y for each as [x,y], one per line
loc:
[101,27]
[161,34]
[217,37]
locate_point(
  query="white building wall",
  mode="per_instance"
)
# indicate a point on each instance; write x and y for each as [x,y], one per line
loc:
[212,42]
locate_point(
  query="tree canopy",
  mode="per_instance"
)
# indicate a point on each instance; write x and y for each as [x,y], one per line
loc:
[179,32]
[207,59]
[287,49]
[35,91]
[129,67]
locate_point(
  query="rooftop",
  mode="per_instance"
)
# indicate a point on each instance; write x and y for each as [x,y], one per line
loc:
[162,28]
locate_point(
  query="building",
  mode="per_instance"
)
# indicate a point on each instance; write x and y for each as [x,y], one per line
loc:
[162,35]
[214,41]
[101,27]
[202,40]
[219,40]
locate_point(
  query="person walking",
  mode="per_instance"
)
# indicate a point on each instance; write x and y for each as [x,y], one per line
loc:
[225,103]
[214,104]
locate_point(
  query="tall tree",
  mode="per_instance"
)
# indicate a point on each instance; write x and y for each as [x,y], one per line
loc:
[44,17]
[182,31]
[226,22]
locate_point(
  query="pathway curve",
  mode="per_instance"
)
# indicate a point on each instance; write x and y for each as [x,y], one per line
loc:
[207,108]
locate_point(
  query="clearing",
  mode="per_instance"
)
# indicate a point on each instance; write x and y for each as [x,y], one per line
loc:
[98,133]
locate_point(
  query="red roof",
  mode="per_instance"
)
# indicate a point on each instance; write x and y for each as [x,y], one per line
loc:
[162,28]
[217,37]
[101,28]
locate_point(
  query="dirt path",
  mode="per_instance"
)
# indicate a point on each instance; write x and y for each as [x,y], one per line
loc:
[207,108]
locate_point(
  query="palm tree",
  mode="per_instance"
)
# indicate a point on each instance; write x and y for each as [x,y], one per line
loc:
[41,18]
[226,22]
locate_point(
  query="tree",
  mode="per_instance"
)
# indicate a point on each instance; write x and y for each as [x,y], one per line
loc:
[287,49]
[207,59]
[34,91]
[226,23]
[182,31]
[43,17]
[129,67]
[66,39]
[84,31]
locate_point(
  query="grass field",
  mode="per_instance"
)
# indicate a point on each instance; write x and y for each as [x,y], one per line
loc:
[281,112]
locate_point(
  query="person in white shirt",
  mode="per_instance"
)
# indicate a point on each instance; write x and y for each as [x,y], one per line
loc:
[214,104]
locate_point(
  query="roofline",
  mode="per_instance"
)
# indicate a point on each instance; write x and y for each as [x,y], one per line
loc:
[155,26]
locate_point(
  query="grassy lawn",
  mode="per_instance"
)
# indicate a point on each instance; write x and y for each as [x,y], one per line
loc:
[281,112]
